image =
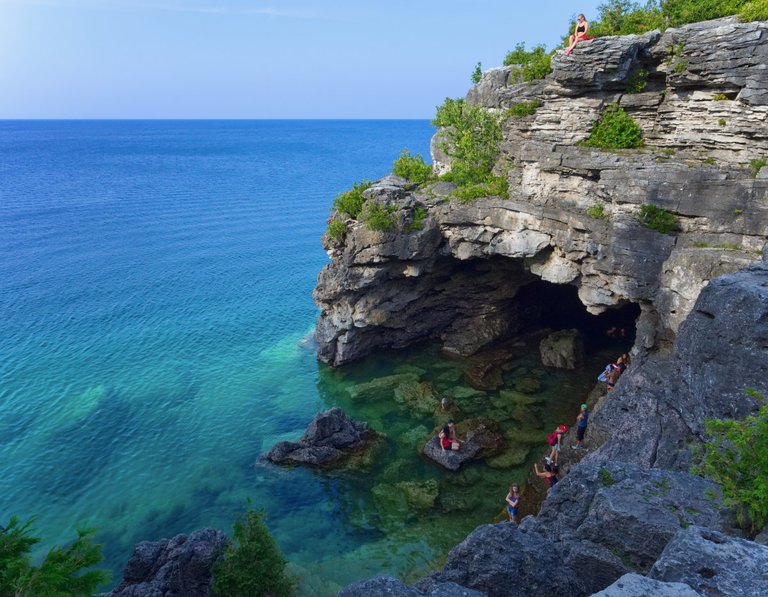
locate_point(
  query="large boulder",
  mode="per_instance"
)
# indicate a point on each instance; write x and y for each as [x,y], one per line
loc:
[563,349]
[176,567]
[330,438]
[617,518]
[502,561]
[386,586]
[482,440]
[634,585]
[714,564]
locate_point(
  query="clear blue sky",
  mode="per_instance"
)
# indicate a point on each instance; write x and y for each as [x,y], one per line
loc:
[254,58]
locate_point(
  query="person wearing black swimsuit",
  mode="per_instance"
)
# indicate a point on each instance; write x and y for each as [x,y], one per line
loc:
[582,26]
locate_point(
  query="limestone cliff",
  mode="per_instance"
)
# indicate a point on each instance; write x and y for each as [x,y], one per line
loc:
[457,279]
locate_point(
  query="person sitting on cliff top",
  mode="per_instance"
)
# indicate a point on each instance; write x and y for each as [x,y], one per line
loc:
[579,34]
[448,439]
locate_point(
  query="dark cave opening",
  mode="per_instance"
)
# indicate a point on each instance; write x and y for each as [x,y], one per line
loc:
[557,307]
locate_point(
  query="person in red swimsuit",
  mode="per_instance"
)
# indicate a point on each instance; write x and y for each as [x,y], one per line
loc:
[448,440]
[580,34]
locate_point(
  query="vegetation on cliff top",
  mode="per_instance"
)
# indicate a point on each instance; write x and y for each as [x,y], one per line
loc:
[252,565]
[412,167]
[63,572]
[624,17]
[532,65]
[471,139]
[736,457]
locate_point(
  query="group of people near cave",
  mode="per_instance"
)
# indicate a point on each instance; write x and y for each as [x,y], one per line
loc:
[551,469]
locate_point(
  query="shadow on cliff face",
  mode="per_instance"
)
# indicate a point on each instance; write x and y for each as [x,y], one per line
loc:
[557,307]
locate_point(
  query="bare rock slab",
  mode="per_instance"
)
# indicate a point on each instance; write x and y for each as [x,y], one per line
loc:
[483,440]
[714,564]
[386,586]
[330,438]
[635,585]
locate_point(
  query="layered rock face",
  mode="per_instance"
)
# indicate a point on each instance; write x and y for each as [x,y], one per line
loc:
[703,115]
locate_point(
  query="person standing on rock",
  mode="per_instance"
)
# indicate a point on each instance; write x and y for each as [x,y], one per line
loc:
[581,427]
[513,502]
[555,440]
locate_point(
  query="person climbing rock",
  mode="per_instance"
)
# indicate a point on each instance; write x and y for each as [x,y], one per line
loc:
[549,474]
[513,502]
[581,427]
[555,441]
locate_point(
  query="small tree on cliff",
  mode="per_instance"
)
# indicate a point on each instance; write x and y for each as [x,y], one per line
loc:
[736,457]
[62,573]
[252,565]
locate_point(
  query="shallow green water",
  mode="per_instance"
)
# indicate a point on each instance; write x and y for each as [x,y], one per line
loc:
[412,511]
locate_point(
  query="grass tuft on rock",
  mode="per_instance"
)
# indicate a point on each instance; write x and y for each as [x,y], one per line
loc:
[657,218]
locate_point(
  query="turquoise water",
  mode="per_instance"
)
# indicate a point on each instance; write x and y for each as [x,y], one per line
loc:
[155,290]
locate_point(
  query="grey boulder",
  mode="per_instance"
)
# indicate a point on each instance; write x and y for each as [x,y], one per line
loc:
[386,586]
[178,567]
[714,564]
[635,585]
[330,438]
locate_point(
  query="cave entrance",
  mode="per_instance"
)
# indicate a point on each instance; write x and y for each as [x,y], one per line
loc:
[557,306]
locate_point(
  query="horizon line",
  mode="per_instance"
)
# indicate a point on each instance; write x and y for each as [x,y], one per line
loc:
[209,119]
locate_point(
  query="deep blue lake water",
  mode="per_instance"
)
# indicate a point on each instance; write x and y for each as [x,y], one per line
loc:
[156,297]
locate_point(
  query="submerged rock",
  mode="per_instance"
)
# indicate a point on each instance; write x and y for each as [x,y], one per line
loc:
[563,349]
[330,438]
[178,566]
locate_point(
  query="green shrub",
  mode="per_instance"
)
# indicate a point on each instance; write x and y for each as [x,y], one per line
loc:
[719,97]
[62,572]
[477,74]
[738,212]
[657,218]
[615,130]
[710,160]
[681,12]
[756,166]
[351,202]
[496,186]
[418,216]
[597,211]
[622,17]
[756,10]
[680,67]
[638,81]
[412,167]
[521,109]
[473,135]
[378,217]
[337,229]
[721,122]
[534,64]
[252,565]
[736,457]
